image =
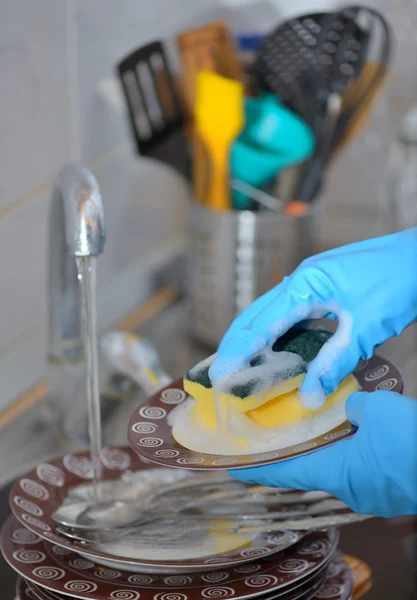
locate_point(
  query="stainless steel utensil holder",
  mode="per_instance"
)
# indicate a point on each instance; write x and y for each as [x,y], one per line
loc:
[235,256]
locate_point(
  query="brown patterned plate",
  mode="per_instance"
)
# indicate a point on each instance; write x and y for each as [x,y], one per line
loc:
[64,572]
[296,592]
[35,497]
[24,591]
[150,435]
[335,584]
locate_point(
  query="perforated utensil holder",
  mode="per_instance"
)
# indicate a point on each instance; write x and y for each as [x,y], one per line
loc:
[235,256]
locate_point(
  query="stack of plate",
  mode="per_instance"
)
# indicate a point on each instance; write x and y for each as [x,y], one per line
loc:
[288,565]
[211,565]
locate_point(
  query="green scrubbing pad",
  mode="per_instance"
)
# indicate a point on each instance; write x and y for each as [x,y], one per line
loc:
[261,382]
[305,342]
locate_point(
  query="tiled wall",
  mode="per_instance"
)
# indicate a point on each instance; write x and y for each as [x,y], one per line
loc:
[357,193]
[53,54]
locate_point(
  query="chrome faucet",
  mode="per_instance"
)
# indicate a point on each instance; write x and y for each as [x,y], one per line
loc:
[76,229]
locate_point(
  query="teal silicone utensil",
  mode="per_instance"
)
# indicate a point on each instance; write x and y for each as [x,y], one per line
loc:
[274,138]
[278,129]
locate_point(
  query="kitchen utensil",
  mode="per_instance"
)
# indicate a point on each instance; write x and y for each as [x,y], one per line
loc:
[360,93]
[200,168]
[207,48]
[155,114]
[179,501]
[201,510]
[322,53]
[219,120]
[37,495]
[273,127]
[122,513]
[254,166]
[273,139]
[319,516]
[262,198]
[79,511]
[135,357]
[296,59]
[66,573]
[330,90]
[159,445]
[360,99]
[310,182]
[337,119]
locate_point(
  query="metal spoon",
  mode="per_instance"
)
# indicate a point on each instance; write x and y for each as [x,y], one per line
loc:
[308,523]
[195,492]
[200,517]
[80,510]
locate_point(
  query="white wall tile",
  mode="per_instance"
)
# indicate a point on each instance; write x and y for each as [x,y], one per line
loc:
[22,365]
[34,107]
[108,31]
[53,55]
[358,178]
[23,238]
[145,210]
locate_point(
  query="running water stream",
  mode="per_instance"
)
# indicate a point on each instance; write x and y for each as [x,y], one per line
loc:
[87,278]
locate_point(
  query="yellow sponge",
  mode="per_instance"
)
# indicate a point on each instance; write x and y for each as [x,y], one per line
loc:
[248,390]
[288,408]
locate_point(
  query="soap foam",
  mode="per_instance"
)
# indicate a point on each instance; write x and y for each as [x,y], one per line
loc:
[176,541]
[181,543]
[190,434]
[275,368]
[313,396]
[201,366]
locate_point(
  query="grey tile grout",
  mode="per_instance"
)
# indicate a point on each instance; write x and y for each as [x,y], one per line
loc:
[31,332]
[45,188]
[24,200]
[27,334]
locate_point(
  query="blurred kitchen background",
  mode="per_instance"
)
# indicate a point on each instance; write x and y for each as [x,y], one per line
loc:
[61,101]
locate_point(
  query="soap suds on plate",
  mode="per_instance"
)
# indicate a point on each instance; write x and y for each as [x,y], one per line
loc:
[276,370]
[168,542]
[182,543]
[190,434]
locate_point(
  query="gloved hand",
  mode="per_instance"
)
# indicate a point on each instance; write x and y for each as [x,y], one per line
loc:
[374,472]
[370,287]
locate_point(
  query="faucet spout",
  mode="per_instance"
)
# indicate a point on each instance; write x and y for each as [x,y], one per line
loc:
[78,191]
[76,230]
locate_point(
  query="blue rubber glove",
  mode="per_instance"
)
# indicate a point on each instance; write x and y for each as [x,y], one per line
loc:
[374,472]
[370,287]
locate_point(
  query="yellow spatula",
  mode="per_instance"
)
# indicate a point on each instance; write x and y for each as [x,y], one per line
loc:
[219,118]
